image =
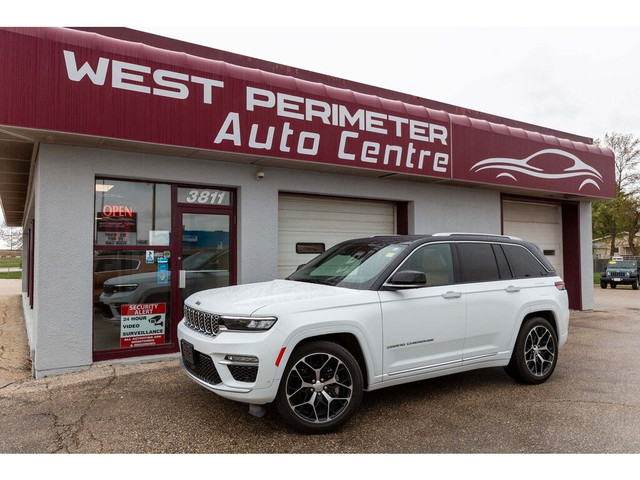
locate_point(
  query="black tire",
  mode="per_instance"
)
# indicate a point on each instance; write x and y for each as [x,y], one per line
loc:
[535,353]
[634,285]
[614,285]
[321,388]
[603,284]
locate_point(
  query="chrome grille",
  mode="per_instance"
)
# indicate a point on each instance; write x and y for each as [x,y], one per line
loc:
[200,321]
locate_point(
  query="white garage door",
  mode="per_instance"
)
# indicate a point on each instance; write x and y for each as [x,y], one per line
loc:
[304,222]
[537,223]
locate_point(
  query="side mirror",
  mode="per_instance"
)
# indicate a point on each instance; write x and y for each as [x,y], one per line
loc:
[407,279]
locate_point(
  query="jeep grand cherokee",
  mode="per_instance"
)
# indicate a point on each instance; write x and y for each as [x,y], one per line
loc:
[375,312]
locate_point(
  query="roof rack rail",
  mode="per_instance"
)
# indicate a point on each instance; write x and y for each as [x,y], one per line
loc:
[467,234]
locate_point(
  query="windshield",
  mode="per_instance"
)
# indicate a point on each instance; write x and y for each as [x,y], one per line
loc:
[623,264]
[349,265]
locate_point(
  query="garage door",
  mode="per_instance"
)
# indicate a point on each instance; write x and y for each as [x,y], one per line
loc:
[537,223]
[307,222]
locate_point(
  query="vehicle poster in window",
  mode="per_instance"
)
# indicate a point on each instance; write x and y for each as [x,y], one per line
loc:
[143,325]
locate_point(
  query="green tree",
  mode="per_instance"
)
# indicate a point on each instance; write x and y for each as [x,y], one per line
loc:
[634,226]
[620,216]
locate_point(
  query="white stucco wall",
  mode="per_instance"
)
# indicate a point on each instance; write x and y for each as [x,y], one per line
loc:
[30,313]
[64,214]
[586,256]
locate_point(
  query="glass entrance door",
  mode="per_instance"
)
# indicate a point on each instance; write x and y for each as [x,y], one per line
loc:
[205,257]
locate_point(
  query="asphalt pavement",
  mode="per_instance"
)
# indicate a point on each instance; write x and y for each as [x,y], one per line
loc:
[590,405]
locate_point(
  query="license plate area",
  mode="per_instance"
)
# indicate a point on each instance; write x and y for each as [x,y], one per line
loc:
[617,279]
[187,354]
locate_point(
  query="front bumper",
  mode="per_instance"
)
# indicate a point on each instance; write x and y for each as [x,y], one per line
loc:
[209,366]
[619,280]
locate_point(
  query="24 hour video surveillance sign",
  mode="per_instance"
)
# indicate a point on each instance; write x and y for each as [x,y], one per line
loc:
[143,325]
[86,84]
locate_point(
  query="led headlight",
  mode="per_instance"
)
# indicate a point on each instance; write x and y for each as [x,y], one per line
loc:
[124,287]
[247,323]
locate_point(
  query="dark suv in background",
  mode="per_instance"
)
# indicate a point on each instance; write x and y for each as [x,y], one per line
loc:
[620,272]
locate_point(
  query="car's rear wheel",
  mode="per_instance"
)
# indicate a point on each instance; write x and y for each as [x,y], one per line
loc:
[535,354]
[321,387]
[614,285]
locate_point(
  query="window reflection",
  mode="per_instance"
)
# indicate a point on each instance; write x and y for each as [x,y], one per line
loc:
[131,299]
[132,213]
[205,251]
[435,261]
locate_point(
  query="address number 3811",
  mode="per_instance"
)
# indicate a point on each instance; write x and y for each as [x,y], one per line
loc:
[205,197]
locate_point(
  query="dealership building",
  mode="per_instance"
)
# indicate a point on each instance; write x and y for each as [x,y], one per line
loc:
[143,169]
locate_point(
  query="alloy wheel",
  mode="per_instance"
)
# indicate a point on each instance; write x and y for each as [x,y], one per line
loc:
[539,351]
[319,387]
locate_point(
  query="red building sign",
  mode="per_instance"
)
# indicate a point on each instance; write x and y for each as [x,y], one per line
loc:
[83,83]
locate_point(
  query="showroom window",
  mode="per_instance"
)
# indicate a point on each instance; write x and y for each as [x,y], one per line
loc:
[131,267]
[132,213]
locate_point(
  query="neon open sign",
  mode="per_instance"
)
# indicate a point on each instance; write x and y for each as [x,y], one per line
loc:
[117,211]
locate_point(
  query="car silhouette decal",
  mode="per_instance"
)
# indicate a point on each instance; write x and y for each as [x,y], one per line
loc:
[523,166]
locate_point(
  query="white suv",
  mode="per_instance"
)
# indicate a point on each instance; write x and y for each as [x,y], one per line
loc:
[375,312]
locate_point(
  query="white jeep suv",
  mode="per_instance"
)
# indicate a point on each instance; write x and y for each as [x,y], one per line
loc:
[372,313]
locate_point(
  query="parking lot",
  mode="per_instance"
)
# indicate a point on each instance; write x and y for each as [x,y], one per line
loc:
[590,405]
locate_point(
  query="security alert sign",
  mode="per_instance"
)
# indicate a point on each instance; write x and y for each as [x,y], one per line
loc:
[143,325]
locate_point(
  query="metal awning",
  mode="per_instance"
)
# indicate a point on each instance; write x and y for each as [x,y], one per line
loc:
[15,165]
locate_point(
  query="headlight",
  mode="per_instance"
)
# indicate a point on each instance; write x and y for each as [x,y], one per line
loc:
[123,287]
[246,323]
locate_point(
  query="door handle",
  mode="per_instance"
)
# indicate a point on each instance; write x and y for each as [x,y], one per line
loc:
[452,295]
[512,289]
[182,282]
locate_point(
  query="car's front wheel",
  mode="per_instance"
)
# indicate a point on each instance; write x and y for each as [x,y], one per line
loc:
[634,285]
[603,284]
[535,354]
[321,387]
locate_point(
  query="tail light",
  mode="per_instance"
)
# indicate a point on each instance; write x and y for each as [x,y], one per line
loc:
[561,286]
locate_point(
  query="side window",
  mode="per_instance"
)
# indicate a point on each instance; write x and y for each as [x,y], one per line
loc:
[478,262]
[503,266]
[435,261]
[523,263]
